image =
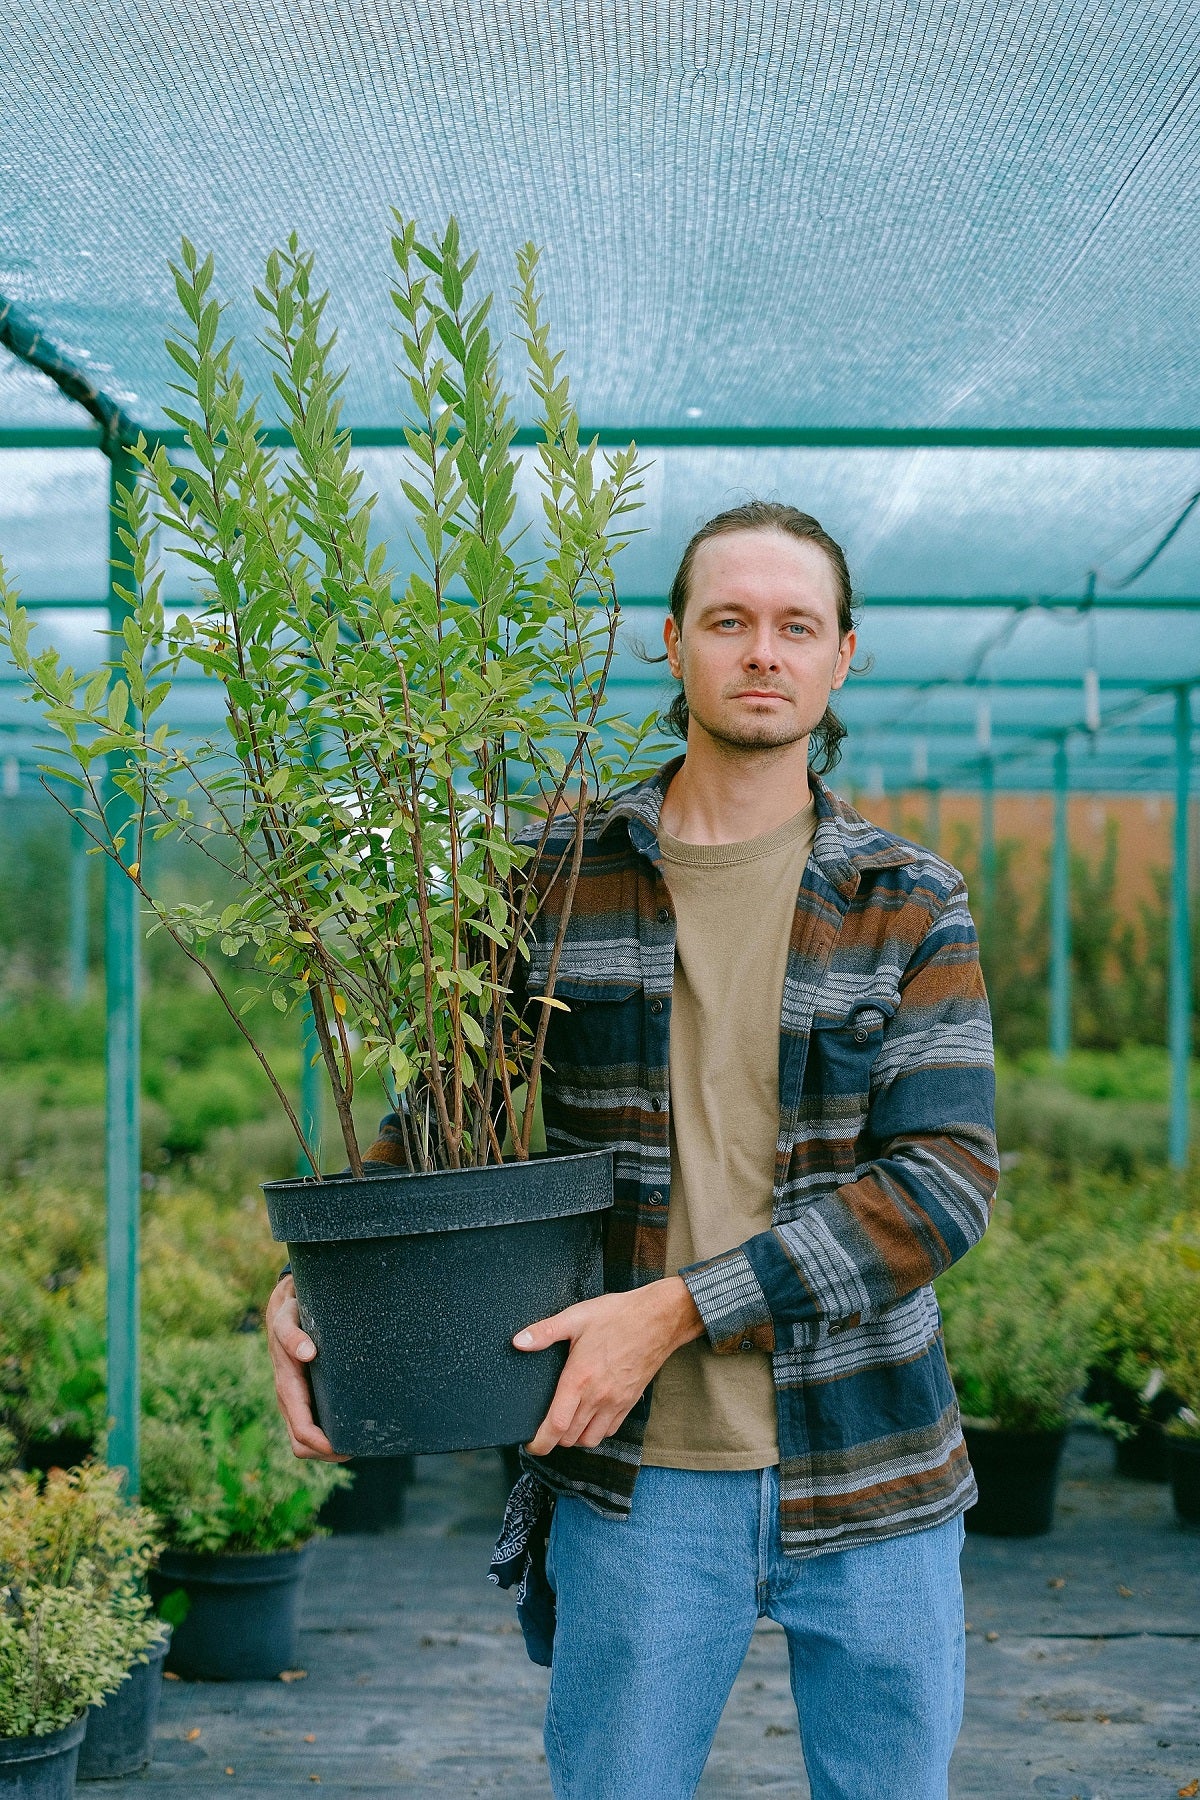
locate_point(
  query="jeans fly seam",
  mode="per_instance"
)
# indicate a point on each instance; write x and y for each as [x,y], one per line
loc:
[764,1540]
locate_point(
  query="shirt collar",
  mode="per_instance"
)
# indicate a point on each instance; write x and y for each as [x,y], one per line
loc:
[844,844]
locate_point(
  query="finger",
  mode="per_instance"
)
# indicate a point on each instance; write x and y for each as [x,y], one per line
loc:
[557,1426]
[305,1435]
[287,1331]
[599,1427]
[309,1453]
[549,1331]
[295,1403]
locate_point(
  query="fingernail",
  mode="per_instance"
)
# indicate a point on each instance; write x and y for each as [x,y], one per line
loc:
[524,1340]
[306,1348]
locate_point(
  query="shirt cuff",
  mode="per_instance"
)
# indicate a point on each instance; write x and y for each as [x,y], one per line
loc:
[731,1303]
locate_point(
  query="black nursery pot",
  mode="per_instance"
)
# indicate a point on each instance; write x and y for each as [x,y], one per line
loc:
[374,1502]
[1183,1461]
[1143,1456]
[412,1286]
[240,1623]
[1017,1476]
[41,1768]
[120,1734]
[56,1453]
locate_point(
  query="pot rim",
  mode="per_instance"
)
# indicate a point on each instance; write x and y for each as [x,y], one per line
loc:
[51,1743]
[231,1567]
[401,1203]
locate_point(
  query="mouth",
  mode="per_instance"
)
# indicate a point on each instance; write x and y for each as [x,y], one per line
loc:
[759,694]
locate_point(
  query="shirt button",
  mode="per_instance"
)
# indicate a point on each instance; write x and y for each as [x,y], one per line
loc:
[664,915]
[656,1104]
[656,1198]
[860,1036]
[656,1006]
[746,1344]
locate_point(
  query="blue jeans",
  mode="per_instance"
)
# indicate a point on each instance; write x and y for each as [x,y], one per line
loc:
[655,1614]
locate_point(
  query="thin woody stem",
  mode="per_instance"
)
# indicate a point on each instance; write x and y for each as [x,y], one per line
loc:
[340,1096]
[539,1047]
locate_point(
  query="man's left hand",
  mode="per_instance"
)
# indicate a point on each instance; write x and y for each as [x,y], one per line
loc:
[619,1342]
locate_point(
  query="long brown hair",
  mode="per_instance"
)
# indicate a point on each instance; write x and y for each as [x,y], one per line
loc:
[825,742]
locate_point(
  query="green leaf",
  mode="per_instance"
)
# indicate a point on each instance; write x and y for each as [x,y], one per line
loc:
[174,1607]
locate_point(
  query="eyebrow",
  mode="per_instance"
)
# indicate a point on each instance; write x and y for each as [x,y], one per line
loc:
[719,610]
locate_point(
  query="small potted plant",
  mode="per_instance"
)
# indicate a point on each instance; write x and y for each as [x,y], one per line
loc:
[75,1618]
[1137,1284]
[1019,1334]
[1183,1450]
[408,768]
[1156,1324]
[236,1509]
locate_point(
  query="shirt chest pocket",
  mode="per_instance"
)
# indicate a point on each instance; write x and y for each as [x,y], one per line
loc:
[595,1048]
[842,1053]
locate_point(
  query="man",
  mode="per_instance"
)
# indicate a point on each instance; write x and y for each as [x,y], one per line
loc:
[779,1024]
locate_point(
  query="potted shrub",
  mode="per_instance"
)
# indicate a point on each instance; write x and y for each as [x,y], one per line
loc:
[1152,1323]
[1019,1334]
[1145,1328]
[51,1369]
[1183,1452]
[75,1617]
[236,1509]
[398,750]
[1134,1415]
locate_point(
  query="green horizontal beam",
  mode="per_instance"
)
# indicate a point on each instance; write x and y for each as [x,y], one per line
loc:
[911,602]
[716,437]
[988,602]
[50,437]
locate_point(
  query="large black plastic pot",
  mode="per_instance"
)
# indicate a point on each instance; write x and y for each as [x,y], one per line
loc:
[239,1623]
[412,1286]
[1017,1476]
[120,1734]
[1183,1461]
[374,1501]
[41,1768]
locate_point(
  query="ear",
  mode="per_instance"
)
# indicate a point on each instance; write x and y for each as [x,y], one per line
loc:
[845,657]
[671,640]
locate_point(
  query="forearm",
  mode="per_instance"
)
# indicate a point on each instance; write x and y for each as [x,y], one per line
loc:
[858,1249]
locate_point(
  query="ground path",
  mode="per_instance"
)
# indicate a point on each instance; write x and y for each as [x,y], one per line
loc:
[1083,1670]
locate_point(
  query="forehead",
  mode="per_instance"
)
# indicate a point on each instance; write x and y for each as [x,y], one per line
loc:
[756,568]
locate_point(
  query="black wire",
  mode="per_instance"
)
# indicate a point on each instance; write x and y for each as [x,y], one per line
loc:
[1128,580]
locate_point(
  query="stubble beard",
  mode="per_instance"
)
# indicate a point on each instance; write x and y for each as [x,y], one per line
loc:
[756,735]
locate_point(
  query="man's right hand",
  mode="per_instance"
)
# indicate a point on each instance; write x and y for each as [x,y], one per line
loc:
[291,1351]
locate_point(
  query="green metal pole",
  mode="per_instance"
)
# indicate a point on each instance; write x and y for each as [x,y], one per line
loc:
[77,915]
[1060,914]
[987,838]
[1179,1009]
[310,1089]
[122,938]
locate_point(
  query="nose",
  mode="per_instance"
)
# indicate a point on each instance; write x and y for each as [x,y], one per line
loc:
[760,655]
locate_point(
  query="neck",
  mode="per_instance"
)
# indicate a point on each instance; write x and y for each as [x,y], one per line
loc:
[723,794]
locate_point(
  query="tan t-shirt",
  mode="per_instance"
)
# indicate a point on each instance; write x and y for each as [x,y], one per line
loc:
[734,906]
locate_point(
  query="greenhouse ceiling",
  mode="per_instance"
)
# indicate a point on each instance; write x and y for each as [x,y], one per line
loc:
[927,271]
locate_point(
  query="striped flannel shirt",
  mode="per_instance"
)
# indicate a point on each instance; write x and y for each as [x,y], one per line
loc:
[885,1165]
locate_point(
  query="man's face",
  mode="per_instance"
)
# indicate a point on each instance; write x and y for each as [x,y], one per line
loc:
[759,653]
